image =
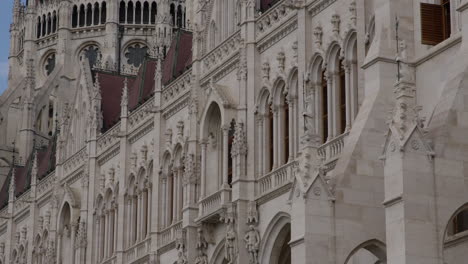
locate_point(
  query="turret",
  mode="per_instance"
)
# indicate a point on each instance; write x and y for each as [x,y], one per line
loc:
[163,27]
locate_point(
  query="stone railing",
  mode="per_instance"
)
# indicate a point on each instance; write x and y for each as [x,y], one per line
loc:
[86,32]
[138,250]
[46,184]
[221,53]
[109,138]
[177,88]
[47,41]
[75,161]
[141,113]
[214,202]
[169,234]
[332,149]
[274,17]
[275,179]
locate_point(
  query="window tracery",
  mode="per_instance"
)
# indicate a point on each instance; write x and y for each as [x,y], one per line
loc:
[49,65]
[135,54]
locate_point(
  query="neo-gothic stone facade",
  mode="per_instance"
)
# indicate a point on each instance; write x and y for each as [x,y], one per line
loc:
[234,131]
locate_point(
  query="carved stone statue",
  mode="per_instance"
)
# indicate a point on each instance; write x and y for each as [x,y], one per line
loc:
[230,245]
[202,246]
[252,241]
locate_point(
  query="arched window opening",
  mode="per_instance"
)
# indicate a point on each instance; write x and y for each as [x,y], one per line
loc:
[122,12]
[54,22]
[103,13]
[138,12]
[281,252]
[271,140]
[146,13]
[324,119]
[44,26]
[172,11]
[179,16]
[130,13]
[96,14]
[230,143]
[39,26]
[89,15]
[171,197]
[214,155]
[459,223]
[286,125]
[153,13]
[75,17]
[82,16]
[342,97]
[49,24]
[135,217]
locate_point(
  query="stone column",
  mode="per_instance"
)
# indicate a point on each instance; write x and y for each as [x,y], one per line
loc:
[73,238]
[260,143]
[346,67]
[204,145]
[330,105]
[275,137]
[225,129]
[291,128]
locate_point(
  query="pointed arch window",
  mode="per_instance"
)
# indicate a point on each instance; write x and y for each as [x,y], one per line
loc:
[96,14]
[75,16]
[44,26]
[103,13]
[146,13]
[342,97]
[82,16]
[153,13]
[271,140]
[138,12]
[49,24]
[285,127]
[324,117]
[39,27]
[54,22]
[122,12]
[89,15]
[130,13]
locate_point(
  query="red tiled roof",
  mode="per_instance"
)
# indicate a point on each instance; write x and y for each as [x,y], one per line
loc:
[178,57]
[45,164]
[265,4]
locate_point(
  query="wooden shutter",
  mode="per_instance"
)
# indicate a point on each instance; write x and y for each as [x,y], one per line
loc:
[432,25]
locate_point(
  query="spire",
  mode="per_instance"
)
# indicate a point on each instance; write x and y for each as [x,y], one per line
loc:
[124,100]
[12,187]
[34,169]
[97,88]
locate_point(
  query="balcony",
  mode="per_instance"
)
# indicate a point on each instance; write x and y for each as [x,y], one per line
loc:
[212,205]
[138,250]
[275,180]
[331,150]
[169,234]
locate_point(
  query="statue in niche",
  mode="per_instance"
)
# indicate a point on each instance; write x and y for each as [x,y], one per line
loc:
[252,241]
[230,245]
[202,246]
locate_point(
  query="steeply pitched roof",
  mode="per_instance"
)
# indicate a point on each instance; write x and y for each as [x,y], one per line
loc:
[178,57]
[266,4]
[45,164]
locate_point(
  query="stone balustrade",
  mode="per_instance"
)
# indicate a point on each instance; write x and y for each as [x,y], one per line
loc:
[215,202]
[169,234]
[138,250]
[275,179]
[331,150]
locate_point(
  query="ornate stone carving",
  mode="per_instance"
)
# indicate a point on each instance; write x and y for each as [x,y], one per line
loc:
[336,21]
[318,33]
[181,257]
[202,246]
[266,72]
[281,58]
[252,243]
[240,141]
[252,213]
[230,246]
[352,11]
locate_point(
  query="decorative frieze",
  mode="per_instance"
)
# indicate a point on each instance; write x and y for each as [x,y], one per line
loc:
[272,18]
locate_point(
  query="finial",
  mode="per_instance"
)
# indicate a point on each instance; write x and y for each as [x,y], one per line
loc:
[124,100]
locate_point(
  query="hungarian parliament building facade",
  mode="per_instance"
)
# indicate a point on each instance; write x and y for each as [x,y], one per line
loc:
[235,131]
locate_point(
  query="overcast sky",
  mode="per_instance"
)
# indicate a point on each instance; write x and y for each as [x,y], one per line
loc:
[5,20]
